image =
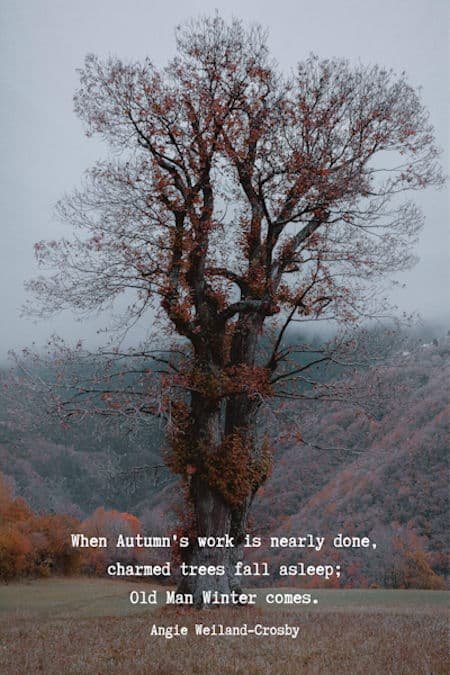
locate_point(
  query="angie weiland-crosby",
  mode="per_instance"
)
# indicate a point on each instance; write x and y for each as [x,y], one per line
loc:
[221,630]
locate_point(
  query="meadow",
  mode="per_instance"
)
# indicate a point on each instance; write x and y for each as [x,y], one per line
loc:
[88,626]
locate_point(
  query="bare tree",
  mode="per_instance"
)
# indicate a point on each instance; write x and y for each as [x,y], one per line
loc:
[235,198]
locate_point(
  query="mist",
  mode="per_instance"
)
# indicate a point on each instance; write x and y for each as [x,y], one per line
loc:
[45,151]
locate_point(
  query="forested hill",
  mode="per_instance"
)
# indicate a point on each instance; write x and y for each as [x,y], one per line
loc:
[390,480]
[380,471]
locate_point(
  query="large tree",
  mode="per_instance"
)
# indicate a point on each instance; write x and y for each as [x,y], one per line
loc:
[235,197]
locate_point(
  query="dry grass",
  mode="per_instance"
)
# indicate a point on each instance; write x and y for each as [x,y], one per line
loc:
[51,636]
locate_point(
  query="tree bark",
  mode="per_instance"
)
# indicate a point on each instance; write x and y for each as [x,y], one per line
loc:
[213,518]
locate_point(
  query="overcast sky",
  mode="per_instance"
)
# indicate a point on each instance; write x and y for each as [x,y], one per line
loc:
[44,151]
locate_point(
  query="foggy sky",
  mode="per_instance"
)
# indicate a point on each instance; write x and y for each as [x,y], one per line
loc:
[44,150]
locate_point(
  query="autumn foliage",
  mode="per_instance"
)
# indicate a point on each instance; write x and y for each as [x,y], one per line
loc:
[32,544]
[40,545]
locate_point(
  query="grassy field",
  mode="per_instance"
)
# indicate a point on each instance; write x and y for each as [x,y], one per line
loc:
[89,626]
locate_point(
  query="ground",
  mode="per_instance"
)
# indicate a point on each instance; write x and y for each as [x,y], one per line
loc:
[84,626]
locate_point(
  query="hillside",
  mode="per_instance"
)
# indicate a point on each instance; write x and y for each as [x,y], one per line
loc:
[389,481]
[379,469]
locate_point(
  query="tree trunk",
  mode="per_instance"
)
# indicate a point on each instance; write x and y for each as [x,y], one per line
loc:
[238,530]
[213,518]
